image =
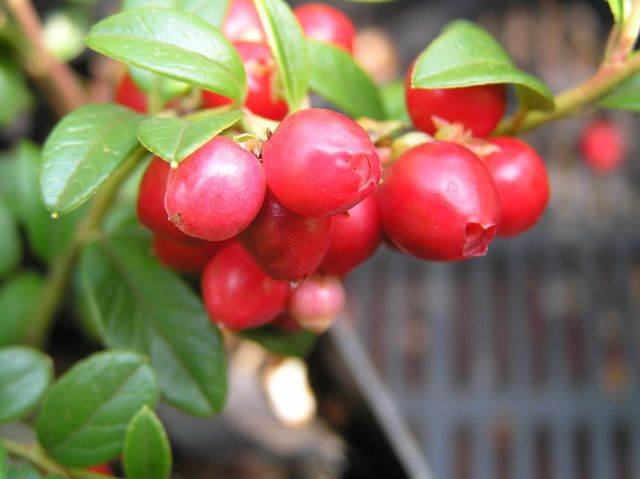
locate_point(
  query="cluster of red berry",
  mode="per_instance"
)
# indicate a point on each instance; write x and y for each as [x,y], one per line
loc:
[273,229]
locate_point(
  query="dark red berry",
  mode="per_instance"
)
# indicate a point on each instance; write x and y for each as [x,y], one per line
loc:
[216,192]
[189,256]
[238,294]
[325,23]
[286,322]
[320,163]
[522,182]
[478,108]
[603,146]
[242,23]
[357,233]
[261,71]
[438,202]
[316,302]
[285,244]
[128,94]
[101,469]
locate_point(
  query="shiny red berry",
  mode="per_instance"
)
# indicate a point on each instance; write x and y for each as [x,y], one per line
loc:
[215,192]
[261,83]
[325,23]
[357,233]
[438,202]
[189,256]
[522,182]
[151,210]
[238,294]
[479,108]
[242,23]
[320,163]
[316,303]
[285,244]
[603,146]
[128,94]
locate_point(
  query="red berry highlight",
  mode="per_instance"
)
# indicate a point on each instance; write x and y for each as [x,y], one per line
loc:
[184,256]
[438,202]
[238,294]
[285,244]
[479,108]
[603,146]
[316,303]
[242,23]
[357,233]
[522,182]
[324,23]
[215,192]
[128,94]
[320,163]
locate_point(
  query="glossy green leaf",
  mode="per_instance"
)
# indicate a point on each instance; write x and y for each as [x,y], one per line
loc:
[15,97]
[173,139]
[24,377]
[147,452]
[173,43]
[285,343]
[393,99]
[212,11]
[18,301]
[331,67]
[145,307]
[625,96]
[23,471]
[85,414]
[10,243]
[289,48]
[83,150]
[465,55]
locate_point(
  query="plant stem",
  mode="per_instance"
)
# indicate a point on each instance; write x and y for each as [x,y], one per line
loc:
[56,283]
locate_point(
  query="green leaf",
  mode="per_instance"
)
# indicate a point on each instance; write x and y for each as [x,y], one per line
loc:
[625,96]
[212,11]
[167,88]
[465,55]
[22,471]
[173,139]
[331,67]
[289,48]
[393,99]
[145,307]
[10,243]
[298,343]
[86,412]
[15,97]
[3,462]
[147,452]
[617,9]
[24,377]
[18,301]
[85,148]
[175,44]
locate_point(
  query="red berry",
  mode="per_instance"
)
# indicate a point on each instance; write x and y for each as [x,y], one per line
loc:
[356,236]
[242,22]
[238,294]
[603,146]
[316,302]
[184,256]
[479,108]
[215,192]
[101,469]
[286,322]
[285,244]
[438,202]
[320,163]
[326,24]
[128,94]
[523,186]
[151,211]
[261,83]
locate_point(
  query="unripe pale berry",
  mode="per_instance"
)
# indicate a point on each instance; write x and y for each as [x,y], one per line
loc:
[261,82]
[216,191]
[242,23]
[150,206]
[438,202]
[128,94]
[603,146]
[325,23]
[237,293]
[188,256]
[316,302]
[522,182]
[478,108]
[285,244]
[320,163]
[357,233]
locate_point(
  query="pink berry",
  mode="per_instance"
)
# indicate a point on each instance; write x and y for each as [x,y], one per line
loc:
[242,23]
[438,202]
[285,244]
[216,192]
[357,233]
[603,146]
[238,294]
[184,256]
[316,302]
[324,23]
[320,163]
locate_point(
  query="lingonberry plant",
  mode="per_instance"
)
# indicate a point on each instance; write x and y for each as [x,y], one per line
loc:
[211,161]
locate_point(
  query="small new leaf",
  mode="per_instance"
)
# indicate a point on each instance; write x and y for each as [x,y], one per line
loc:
[147,452]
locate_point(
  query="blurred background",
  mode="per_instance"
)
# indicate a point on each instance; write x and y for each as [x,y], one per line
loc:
[523,364]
